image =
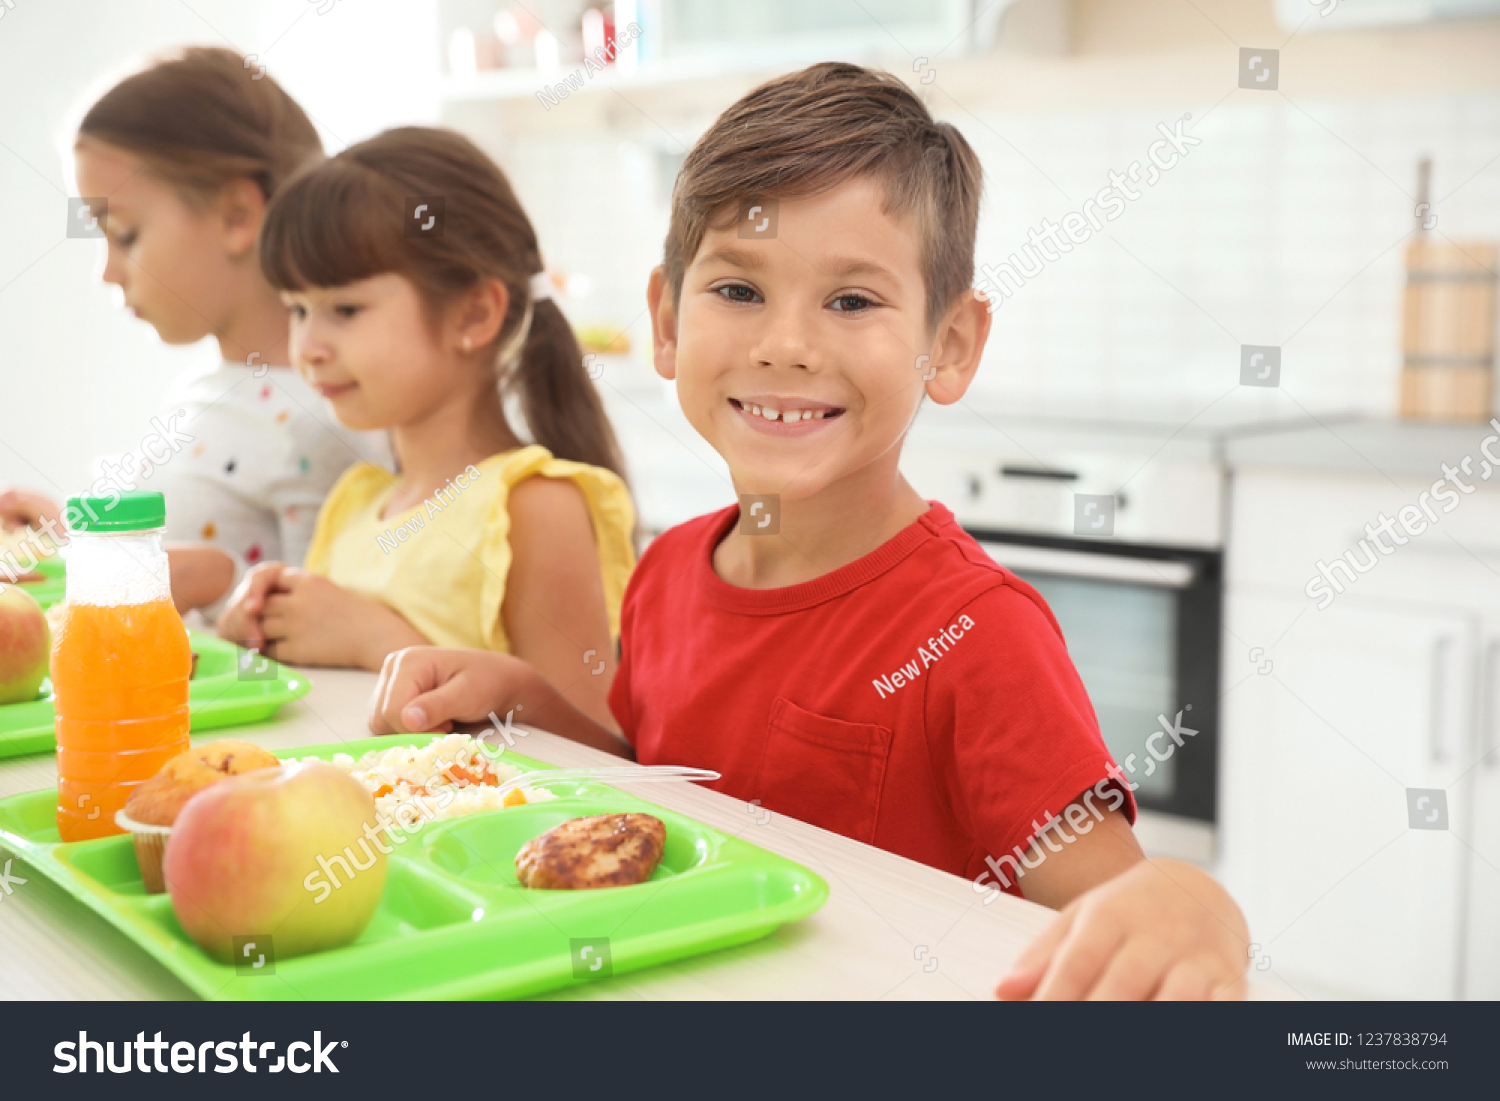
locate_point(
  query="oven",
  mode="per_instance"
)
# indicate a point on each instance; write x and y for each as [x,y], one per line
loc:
[1139,600]
[1142,625]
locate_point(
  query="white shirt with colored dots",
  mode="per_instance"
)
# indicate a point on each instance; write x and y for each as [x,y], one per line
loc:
[244,457]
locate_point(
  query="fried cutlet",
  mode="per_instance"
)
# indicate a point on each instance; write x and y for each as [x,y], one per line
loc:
[603,850]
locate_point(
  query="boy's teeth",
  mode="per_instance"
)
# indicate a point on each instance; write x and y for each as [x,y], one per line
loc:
[787,416]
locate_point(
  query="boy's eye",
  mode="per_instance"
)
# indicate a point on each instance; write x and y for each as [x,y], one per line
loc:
[852,303]
[297,312]
[127,239]
[345,310]
[736,292]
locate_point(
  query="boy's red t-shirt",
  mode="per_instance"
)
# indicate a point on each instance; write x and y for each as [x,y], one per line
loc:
[920,699]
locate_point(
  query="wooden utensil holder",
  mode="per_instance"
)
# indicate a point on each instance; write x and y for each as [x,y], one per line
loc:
[1448,331]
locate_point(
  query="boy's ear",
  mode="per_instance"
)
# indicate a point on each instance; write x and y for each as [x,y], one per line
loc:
[957,348]
[241,208]
[663,324]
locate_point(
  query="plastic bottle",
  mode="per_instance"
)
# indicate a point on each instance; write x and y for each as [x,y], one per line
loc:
[120,661]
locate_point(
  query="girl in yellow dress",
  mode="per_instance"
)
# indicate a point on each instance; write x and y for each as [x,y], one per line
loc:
[417,303]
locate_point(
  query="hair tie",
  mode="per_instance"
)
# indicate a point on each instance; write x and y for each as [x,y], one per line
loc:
[540,287]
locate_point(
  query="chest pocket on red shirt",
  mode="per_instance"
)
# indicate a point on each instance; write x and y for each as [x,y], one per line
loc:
[825,771]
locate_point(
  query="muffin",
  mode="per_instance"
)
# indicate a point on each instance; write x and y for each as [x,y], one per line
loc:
[153,807]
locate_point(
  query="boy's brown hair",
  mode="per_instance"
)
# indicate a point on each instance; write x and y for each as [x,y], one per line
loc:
[802,134]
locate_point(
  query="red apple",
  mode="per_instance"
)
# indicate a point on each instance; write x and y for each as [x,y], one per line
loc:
[25,644]
[279,852]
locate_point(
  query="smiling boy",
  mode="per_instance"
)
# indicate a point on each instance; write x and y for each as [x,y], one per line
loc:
[836,646]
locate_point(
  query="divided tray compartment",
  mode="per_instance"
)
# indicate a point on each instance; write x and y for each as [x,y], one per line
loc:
[51,586]
[453,921]
[232,688]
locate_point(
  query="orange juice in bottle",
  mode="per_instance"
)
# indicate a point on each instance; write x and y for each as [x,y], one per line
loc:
[120,661]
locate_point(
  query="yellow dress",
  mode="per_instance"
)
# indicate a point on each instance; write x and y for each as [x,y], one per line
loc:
[443,565]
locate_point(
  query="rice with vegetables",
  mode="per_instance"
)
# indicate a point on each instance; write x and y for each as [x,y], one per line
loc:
[452,776]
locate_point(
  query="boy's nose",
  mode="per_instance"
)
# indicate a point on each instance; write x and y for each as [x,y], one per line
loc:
[786,341]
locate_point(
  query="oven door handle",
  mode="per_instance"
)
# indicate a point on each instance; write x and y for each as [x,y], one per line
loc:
[1099,567]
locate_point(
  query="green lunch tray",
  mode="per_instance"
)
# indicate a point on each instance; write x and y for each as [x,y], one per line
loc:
[453,921]
[233,687]
[50,589]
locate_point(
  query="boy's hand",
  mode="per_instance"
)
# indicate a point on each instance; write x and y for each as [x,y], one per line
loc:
[241,619]
[1162,930]
[429,688]
[307,619]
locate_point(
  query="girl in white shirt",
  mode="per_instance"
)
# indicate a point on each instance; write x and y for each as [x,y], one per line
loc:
[187,154]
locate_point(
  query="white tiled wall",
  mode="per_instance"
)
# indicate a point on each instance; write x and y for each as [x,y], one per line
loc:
[1285,226]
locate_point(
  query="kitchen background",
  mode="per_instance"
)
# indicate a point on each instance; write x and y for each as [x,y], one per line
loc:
[1118,372]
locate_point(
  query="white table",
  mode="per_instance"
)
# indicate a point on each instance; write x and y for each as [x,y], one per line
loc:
[891,928]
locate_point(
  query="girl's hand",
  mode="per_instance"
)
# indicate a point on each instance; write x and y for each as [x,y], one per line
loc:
[309,620]
[429,688]
[240,621]
[25,508]
[200,575]
[1163,930]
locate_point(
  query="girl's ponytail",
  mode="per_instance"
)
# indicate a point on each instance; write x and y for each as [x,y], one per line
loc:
[558,398]
[348,219]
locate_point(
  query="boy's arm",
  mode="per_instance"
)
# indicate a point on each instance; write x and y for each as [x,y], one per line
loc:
[1024,740]
[1129,927]
[429,688]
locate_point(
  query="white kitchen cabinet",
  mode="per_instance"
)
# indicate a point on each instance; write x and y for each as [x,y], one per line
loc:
[1394,685]
[1482,830]
[1361,702]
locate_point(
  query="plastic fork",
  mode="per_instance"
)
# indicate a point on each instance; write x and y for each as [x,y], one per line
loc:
[639,774]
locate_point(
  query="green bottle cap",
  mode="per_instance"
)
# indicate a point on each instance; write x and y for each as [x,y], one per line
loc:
[137,510]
